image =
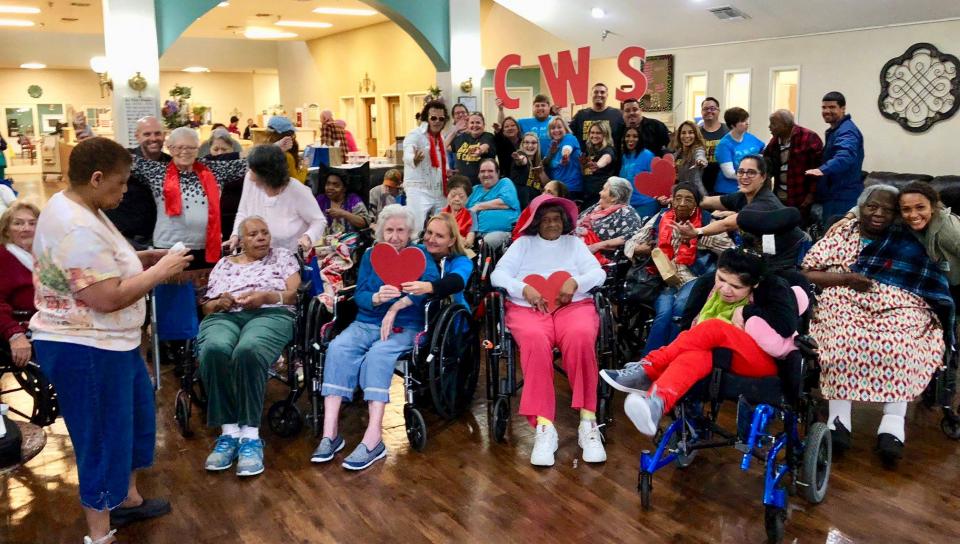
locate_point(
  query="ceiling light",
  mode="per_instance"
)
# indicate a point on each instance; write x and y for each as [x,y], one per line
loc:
[196,69]
[223,5]
[304,24]
[33,65]
[15,22]
[19,9]
[597,13]
[262,33]
[344,11]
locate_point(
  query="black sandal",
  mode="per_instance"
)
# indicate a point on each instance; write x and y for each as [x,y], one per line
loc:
[149,508]
[890,449]
[840,437]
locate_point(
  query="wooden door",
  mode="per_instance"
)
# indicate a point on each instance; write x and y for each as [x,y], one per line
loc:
[394,119]
[370,120]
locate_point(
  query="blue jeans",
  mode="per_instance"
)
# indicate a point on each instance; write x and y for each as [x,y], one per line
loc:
[668,306]
[358,354]
[106,399]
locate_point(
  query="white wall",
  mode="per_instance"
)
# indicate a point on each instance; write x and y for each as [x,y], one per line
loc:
[849,62]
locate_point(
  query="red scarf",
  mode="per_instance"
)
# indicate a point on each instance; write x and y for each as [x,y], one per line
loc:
[463,218]
[686,254]
[173,205]
[438,156]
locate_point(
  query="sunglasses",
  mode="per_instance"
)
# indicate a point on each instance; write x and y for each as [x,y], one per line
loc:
[435,118]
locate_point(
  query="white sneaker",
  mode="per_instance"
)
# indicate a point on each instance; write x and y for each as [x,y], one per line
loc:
[544,446]
[591,441]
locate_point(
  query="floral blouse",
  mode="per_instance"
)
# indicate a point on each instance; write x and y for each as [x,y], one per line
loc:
[268,274]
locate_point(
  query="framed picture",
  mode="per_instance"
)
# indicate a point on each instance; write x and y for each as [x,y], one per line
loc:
[469,101]
[659,72]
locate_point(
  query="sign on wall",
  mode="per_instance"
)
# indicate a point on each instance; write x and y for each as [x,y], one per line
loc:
[920,88]
[659,73]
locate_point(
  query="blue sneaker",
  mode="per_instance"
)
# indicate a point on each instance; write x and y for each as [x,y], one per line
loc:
[362,458]
[250,457]
[327,449]
[223,455]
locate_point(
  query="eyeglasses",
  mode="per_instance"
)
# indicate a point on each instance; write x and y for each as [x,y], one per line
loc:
[435,118]
[711,108]
[184,148]
[751,173]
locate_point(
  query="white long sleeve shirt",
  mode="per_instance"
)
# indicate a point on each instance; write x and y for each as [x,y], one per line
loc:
[423,175]
[534,255]
[289,215]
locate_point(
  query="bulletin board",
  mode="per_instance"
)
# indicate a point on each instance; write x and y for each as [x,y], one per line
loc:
[659,72]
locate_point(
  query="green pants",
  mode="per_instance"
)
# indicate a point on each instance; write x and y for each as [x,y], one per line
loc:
[236,349]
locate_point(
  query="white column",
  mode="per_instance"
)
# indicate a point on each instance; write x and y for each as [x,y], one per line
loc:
[465,58]
[130,38]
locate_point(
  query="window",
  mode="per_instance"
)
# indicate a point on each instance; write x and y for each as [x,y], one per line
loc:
[737,89]
[694,93]
[785,89]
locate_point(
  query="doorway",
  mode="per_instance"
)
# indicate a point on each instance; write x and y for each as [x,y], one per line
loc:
[370,122]
[394,119]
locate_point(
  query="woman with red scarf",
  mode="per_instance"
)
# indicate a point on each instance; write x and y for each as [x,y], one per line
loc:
[610,222]
[691,258]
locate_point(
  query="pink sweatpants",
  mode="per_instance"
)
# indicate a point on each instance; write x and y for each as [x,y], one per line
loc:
[574,329]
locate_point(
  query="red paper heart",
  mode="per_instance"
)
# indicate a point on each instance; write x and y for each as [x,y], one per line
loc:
[395,268]
[659,180]
[548,288]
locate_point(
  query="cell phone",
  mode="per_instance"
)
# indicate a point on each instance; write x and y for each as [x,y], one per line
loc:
[178,248]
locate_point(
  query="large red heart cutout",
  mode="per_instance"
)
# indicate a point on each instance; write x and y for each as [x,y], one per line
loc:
[659,180]
[395,268]
[548,288]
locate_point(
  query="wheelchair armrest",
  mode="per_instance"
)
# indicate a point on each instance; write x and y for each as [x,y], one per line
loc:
[808,346]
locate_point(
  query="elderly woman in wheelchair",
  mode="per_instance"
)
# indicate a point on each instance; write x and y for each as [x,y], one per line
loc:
[540,321]
[249,320]
[366,352]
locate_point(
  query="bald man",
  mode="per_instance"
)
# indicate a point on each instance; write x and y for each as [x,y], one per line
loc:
[790,153]
[136,215]
[331,134]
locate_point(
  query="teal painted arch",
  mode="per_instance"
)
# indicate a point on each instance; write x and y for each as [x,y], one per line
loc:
[426,21]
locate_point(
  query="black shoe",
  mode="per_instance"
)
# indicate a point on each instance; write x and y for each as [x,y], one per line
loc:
[150,508]
[890,449]
[840,437]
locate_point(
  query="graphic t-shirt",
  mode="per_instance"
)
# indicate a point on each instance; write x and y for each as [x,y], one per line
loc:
[74,249]
[538,127]
[712,139]
[467,163]
[611,117]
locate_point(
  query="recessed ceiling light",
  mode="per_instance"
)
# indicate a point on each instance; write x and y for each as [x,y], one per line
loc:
[261,33]
[223,5]
[15,22]
[344,11]
[597,13]
[33,65]
[19,9]
[304,24]
[196,69]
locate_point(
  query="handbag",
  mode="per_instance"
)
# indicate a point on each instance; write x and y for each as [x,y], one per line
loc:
[640,286]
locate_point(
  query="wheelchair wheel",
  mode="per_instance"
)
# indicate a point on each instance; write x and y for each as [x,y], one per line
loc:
[500,419]
[284,419]
[452,367]
[181,412]
[416,428]
[32,382]
[775,520]
[815,471]
[645,487]
[950,427]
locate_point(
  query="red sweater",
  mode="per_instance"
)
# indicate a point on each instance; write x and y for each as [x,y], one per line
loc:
[16,292]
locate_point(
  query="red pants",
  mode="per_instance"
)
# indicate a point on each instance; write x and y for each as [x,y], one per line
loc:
[676,367]
[574,329]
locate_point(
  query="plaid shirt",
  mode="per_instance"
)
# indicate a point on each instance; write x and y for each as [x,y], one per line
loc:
[331,133]
[806,151]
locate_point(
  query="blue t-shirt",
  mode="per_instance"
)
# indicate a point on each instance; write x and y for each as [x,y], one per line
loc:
[463,267]
[570,173]
[368,283]
[729,150]
[630,166]
[496,220]
[538,127]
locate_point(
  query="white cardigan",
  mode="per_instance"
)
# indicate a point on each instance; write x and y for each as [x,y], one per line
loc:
[534,255]
[289,215]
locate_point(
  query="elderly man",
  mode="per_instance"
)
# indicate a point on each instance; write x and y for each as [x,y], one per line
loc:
[790,153]
[425,166]
[840,182]
[136,215]
[598,112]
[331,134]
[654,133]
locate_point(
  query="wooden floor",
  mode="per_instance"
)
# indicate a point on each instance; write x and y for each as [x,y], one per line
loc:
[467,488]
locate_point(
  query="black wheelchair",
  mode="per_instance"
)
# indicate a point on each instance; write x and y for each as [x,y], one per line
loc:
[441,370]
[797,457]
[503,354]
[32,397]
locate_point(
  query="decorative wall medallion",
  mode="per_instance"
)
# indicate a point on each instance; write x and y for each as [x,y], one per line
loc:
[35,91]
[920,87]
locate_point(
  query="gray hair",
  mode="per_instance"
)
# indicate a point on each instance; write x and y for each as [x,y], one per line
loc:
[243,224]
[785,116]
[222,134]
[620,189]
[391,211]
[879,187]
[182,133]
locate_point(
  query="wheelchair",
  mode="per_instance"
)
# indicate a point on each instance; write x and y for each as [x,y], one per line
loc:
[503,355]
[942,391]
[483,263]
[791,464]
[441,370]
[30,381]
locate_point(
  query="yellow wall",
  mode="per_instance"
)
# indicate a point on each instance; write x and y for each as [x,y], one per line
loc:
[220,91]
[71,87]
[503,32]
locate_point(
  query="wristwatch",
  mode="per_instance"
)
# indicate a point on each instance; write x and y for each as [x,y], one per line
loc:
[699,232]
